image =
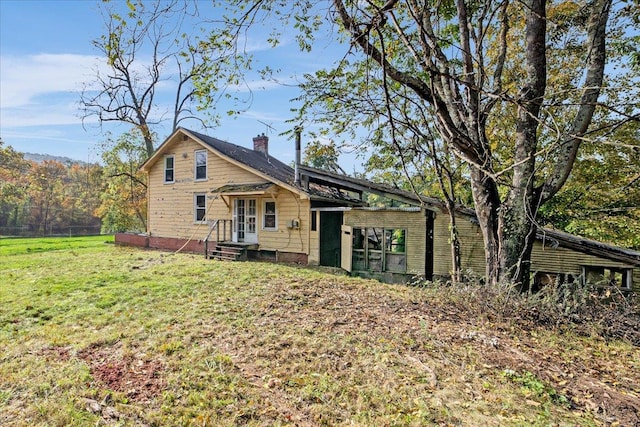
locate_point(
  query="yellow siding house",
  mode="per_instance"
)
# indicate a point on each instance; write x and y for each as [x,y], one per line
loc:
[211,196]
[205,194]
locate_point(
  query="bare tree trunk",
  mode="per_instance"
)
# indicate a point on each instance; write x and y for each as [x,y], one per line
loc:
[487,201]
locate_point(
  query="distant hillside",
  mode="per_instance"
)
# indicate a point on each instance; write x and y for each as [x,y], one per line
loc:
[39,158]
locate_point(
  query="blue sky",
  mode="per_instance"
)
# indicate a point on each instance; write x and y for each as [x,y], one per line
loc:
[46,55]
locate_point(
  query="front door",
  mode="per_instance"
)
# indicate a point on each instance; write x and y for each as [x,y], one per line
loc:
[245,218]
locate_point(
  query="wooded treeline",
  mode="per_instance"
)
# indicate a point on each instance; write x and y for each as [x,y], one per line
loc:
[64,198]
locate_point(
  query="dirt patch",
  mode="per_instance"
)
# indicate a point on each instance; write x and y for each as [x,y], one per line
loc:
[55,353]
[587,384]
[139,378]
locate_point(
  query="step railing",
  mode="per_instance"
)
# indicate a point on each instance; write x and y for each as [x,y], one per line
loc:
[223,228]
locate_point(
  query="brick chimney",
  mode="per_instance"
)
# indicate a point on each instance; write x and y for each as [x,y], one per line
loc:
[261,143]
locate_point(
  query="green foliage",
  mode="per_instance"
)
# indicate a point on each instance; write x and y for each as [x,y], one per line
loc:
[124,201]
[322,156]
[534,386]
[48,197]
[601,199]
[13,186]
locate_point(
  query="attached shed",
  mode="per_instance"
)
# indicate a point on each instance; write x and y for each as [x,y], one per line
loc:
[394,244]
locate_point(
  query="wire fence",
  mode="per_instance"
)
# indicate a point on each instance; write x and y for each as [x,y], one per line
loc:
[72,230]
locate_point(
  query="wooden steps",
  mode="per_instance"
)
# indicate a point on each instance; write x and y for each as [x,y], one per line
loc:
[228,253]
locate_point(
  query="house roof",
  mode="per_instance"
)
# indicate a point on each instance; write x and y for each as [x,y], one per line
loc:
[231,189]
[362,185]
[259,163]
[548,236]
[256,160]
[592,247]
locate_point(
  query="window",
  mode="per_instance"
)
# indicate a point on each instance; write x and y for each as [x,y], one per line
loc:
[251,215]
[169,168]
[542,279]
[200,207]
[379,249]
[314,221]
[201,165]
[607,276]
[395,256]
[269,218]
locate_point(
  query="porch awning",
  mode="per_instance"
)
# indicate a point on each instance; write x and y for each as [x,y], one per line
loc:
[246,189]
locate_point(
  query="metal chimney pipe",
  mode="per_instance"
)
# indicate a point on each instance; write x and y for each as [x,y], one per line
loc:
[296,169]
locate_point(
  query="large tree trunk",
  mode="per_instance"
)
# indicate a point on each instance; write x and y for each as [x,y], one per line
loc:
[458,90]
[517,213]
[487,201]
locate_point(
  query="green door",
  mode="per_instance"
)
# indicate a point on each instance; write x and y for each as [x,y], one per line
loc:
[330,238]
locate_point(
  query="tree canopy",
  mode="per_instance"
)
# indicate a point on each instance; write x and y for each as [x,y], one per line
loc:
[512,89]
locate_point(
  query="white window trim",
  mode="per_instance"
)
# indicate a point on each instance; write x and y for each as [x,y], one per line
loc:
[164,177]
[195,166]
[264,212]
[195,208]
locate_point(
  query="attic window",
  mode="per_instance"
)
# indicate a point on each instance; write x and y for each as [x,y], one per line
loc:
[201,165]
[169,162]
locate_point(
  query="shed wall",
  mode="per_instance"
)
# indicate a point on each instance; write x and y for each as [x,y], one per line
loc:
[413,222]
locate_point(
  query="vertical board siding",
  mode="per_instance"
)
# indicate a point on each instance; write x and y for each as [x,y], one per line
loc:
[544,257]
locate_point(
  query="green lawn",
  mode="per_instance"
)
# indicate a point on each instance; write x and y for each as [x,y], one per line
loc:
[96,334]
[21,245]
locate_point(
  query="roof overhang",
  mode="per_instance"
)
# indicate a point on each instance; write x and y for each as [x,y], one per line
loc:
[360,186]
[247,189]
[587,246]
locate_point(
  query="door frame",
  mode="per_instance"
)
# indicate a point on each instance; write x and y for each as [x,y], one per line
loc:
[244,221]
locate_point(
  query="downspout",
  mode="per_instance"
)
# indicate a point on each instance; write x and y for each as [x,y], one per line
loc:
[296,170]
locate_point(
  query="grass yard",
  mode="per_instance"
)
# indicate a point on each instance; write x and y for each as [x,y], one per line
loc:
[95,334]
[22,245]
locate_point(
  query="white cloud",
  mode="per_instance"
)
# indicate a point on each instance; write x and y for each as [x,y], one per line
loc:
[43,89]
[27,78]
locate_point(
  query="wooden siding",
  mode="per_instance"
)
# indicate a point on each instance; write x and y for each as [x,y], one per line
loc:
[289,207]
[171,205]
[471,246]
[544,258]
[547,259]
[314,240]
[413,222]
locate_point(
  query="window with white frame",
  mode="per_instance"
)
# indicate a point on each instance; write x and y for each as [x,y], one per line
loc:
[201,165]
[169,168]
[269,216]
[200,207]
